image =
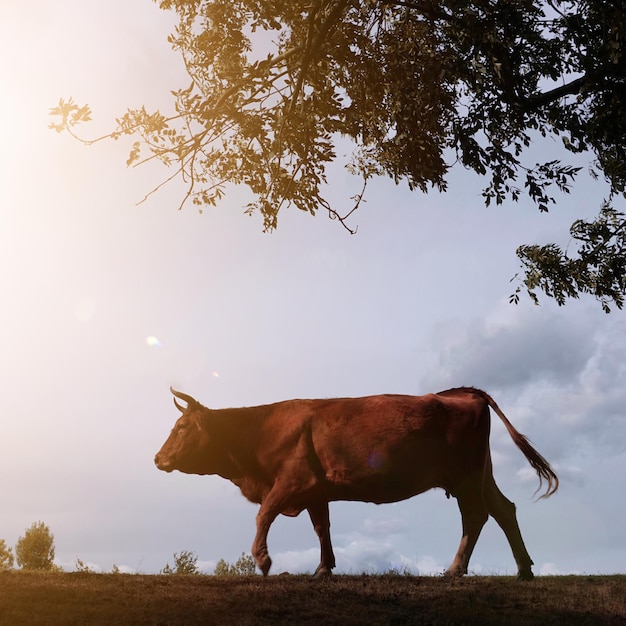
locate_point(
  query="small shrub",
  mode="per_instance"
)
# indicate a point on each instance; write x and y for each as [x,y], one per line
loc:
[81,567]
[185,563]
[245,566]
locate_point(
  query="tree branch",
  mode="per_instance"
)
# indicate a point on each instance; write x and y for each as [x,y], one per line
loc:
[536,102]
[262,65]
[313,46]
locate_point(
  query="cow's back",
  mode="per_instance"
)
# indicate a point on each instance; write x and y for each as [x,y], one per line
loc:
[390,447]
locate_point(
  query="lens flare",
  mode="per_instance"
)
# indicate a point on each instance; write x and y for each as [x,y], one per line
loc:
[153,342]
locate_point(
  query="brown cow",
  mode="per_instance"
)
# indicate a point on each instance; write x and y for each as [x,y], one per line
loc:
[303,454]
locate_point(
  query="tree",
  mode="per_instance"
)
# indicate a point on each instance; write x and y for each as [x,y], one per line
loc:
[417,87]
[245,566]
[6,556]
[185,563]
[35,550]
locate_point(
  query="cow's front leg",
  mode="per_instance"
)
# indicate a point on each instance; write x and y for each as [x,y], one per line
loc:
[264,519]
[321,523]
[287,494]
[276,502]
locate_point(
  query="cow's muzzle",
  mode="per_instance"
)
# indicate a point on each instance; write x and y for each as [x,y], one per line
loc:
[162,463]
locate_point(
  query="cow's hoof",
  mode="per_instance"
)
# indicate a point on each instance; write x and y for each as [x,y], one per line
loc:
[322,573]
[451,574]
[264,564]
[525,574]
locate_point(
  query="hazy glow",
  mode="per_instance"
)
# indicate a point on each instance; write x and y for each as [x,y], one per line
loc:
[85,309]
[153,342]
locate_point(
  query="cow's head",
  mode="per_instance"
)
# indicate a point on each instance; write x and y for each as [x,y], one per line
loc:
[189,447]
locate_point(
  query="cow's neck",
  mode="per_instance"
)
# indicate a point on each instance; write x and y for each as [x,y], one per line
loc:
[239,431]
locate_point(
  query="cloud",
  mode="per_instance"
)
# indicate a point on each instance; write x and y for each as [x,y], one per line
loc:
[375,546]
[551,569]
[357,557]
[586,411]
[510,355]
[208,567]
[296,561]
[558,376]
[367,556]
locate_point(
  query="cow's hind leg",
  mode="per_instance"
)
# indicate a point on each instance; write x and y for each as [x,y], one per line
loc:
[503,511]
[321,523]
[473,516]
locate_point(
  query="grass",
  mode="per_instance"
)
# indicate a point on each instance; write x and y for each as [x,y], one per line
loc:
[83,599]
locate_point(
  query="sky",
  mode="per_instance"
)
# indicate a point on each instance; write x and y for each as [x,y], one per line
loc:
[106,303]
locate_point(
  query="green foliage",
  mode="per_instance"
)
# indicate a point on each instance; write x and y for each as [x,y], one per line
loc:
[35,550]
[6,556]
[416,87]
[599,268]
[185,563]
[222,568]
[245,566]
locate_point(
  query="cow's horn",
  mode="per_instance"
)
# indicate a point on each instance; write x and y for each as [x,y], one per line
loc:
[183,396]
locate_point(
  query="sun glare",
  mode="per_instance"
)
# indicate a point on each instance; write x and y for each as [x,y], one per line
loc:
[153,342]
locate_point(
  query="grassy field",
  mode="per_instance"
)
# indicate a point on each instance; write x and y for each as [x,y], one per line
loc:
[73,598]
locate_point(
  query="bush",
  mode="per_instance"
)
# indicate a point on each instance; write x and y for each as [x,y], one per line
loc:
[185,563]
[245,566]
[83,568]
[35,550]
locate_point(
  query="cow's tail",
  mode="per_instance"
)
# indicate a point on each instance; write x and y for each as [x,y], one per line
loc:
[538,463]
